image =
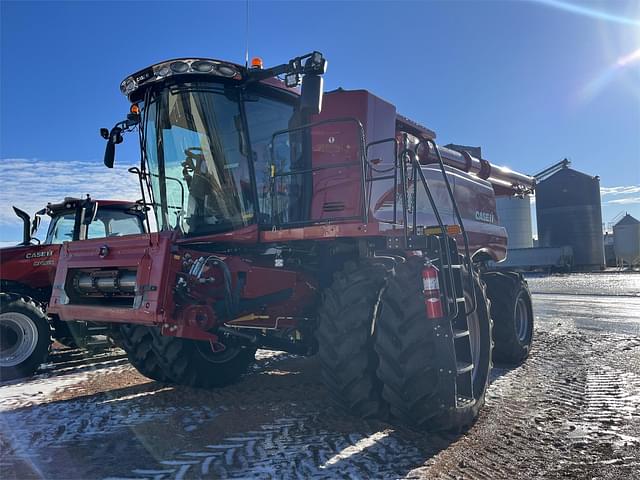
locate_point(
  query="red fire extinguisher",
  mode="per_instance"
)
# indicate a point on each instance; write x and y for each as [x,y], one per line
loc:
[431,291]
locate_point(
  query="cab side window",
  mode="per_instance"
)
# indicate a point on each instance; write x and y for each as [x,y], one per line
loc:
[265,116]
[61,229]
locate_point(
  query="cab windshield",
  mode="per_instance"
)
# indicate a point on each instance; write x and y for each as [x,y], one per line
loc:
[198,160]
[109,222]
[210,158]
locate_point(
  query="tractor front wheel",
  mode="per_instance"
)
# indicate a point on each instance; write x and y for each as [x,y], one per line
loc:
[195,363]
[435,371]
[25,336]
[345,339]
[137,341]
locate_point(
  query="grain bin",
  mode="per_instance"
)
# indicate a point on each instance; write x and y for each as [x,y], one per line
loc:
[569,213]
[626,241]
[514,214]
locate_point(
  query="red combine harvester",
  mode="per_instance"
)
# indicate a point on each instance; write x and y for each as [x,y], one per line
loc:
[297,223]
[27,272]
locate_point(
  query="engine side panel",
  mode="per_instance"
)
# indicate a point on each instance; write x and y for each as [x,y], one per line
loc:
[32,266]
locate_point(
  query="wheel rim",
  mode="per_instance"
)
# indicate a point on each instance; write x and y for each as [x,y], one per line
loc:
[229,353]
[522,319]
[18,338]
[473,324]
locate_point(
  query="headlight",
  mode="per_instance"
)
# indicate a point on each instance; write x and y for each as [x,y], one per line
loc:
[179,67]
[227,71]
[202,66]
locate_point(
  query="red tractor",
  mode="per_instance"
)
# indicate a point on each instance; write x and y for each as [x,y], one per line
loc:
[27,272]
[294,222]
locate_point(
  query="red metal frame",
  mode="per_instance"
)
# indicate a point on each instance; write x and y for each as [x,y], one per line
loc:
[288,293]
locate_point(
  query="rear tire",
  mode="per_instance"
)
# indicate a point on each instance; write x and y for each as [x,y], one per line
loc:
[345,339]
[418,355]
[137,342]
[25,336]
[512,313]
[193,362]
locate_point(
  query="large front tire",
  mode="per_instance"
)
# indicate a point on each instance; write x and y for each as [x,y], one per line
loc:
[345,339]
[195,364]
[512,312]
[419,357]
[137,342]
[25,336]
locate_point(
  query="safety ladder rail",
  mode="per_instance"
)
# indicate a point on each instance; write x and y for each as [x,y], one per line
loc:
[451,303]
[364,217]
[465,238]
[453,279]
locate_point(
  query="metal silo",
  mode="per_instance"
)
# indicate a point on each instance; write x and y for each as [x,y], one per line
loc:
[626,240]
[514,214]
[569,213]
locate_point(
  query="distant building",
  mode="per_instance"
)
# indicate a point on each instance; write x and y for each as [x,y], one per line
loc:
[609,250]
[568,211]
[626,243]
[514,214]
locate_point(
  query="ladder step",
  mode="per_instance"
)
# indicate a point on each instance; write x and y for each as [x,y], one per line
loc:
[464,367]
[460,333]
[451,266]
[460,300]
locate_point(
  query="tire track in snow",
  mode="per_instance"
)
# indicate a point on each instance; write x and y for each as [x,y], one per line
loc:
[523,432]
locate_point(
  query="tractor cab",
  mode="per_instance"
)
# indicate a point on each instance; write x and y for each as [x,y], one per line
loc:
[206,130]
[80,219]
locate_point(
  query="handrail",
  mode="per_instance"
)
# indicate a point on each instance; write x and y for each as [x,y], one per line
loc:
[452,314]
[362,158]
[140,174]
[147,175]
[402,159]
[394,168]
[465,238]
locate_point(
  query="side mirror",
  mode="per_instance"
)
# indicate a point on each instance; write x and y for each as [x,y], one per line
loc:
[311,94]
[113,139]
[109,154]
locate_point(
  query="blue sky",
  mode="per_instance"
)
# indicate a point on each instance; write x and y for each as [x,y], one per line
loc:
[531,82]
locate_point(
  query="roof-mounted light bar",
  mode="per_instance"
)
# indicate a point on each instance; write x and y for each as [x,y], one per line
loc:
[179,67]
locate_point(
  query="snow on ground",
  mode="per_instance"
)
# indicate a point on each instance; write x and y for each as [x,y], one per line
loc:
[27,392]
[572,410]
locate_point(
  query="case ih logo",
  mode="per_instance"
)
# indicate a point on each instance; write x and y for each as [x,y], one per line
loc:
[44,253]
[485,217]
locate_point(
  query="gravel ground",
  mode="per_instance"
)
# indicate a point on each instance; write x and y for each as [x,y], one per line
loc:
[571,411]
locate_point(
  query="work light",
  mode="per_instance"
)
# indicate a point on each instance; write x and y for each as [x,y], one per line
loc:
[179,67]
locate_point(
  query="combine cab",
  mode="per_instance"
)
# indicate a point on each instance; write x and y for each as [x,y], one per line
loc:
[310,223]
[27,272]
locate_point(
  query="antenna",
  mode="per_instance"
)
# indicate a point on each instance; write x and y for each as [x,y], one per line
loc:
[246,52]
